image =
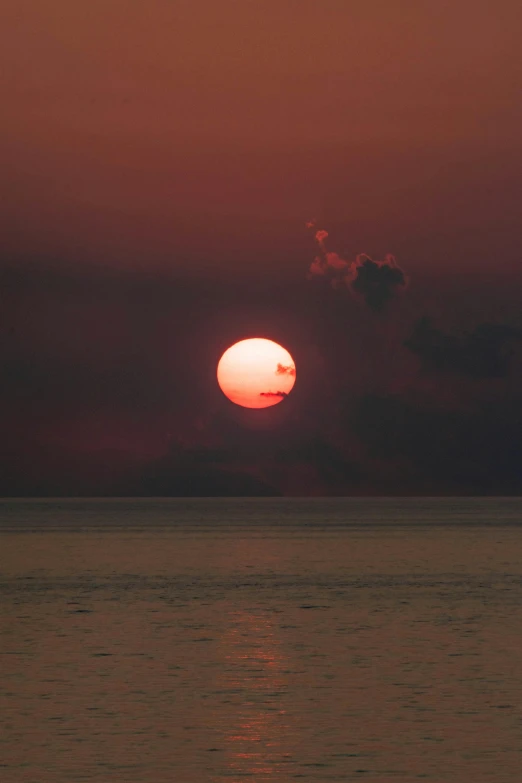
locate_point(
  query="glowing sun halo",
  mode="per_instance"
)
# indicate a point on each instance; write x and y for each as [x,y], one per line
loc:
[256,373]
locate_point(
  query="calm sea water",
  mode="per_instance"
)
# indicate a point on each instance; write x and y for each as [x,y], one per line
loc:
[261,640]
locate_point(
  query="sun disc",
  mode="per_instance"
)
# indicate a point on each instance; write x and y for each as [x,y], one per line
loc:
[256,373]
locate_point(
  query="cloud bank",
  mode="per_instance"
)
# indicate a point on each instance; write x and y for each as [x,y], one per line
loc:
[486,352]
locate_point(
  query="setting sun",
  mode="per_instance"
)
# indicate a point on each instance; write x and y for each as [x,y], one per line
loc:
[256,373]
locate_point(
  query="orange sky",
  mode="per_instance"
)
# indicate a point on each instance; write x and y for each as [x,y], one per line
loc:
[199,135]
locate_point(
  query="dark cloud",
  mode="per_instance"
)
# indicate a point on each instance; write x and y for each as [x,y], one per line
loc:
[486,352]
[327,459]
[273,394]
[375,281]
[285,370]
[478,450]
[256,466]
[192,475]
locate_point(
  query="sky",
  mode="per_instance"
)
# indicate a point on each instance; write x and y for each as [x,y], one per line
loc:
[166,168]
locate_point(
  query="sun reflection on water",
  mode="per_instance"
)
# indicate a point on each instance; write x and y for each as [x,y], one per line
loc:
[255,682]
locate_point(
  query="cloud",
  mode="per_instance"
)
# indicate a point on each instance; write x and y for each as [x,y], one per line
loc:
[327,460]
[484,353]
[375,281]
[273,394]
[320,237]
[478,450]
[187,474]
[285,370]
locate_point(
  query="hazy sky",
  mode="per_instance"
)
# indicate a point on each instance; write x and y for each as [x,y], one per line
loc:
[200,133]
[159,161]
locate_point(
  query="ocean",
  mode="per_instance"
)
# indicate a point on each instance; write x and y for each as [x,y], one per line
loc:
[275,640]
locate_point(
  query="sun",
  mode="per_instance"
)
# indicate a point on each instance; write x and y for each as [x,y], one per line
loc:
[256,373]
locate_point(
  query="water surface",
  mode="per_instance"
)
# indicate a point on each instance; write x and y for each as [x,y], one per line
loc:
[261,640]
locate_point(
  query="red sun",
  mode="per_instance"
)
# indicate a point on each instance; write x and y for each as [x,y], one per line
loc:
[256,373]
